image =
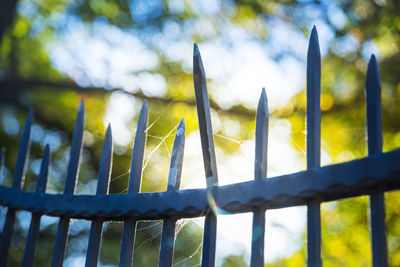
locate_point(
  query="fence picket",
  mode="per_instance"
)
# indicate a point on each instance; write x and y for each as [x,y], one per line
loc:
[260,172]
[96,228]
[135,178]
[1,161]
[207,144]
[23,153]
[73,165]
[374,130]
[314,145]
[33,233]
[174,180]
[19,171]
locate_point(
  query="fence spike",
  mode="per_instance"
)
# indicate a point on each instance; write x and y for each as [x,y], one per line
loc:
[313,102]
[375,143]
[260,171]
[374,107]
[44,170]
[262,119]
[76,148]
[19,171]
[96,227]
[70,182]
[33,233]
[207,144]
[175,169]
[314,145]
[203,112]
[1,161]
[23,153]
[135,176]
[174,180]
[105,164]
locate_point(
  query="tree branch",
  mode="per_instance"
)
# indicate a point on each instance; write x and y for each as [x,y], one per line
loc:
[63,85]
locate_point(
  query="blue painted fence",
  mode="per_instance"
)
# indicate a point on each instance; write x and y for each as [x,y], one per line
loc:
[373,175]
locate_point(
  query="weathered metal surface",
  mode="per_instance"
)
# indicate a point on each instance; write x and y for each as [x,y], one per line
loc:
[374,130]
[174,180]
[333,182]
[135,178]
[96,228]
[33,233]
[313,146]
[207,145]
[19,171]
[260,172]
[70,181]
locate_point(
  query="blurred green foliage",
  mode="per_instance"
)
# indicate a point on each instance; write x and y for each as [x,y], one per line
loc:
[29,77]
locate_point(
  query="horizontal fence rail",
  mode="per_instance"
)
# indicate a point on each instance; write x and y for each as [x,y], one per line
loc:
[355,178]
[372,175]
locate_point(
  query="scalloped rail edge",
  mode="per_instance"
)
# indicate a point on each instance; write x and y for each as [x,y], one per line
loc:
[328,183]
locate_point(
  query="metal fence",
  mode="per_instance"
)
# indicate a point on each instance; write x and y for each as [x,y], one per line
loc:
[372,176]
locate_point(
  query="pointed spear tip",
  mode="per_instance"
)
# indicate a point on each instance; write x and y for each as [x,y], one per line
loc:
[81,106]
[263,103]
[109,127]
[197,56]
[263,93]
[314,34]
[373,77]
[30,114]
[81,111]
[313,54]
[314,28]
[46,153]
[29,118]
[181,128]
[143,118]
[198,68]
[109,131]
[195,50]
[107,145]
[145,106]
[143,115]
[372,63]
